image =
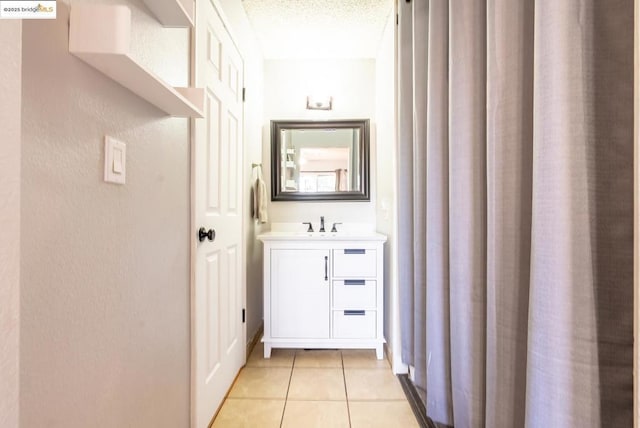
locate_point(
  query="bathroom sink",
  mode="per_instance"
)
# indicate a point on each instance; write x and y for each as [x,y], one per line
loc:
[306,234]
[313,236]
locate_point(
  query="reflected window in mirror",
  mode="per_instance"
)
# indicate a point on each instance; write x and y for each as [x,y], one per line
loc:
[317,161]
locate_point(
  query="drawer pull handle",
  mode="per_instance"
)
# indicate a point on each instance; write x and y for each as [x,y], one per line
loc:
[354,282]
[351,313]
[326,268]
[354,251]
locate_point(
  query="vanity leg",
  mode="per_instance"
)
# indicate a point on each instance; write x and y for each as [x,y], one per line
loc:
[267,350]
[379,352]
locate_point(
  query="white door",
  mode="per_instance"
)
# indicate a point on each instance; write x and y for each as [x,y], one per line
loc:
[218,332]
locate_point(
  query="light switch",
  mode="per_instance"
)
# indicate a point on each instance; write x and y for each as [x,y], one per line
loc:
[115,160]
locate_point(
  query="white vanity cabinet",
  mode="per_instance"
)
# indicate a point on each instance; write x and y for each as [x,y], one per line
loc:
[323,291]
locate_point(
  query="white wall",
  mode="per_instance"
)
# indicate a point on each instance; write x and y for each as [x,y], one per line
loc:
[104,268]
[386,176]
[253,74]
[10,86]
[352,84]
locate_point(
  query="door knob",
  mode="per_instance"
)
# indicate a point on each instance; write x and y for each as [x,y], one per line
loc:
[206,234]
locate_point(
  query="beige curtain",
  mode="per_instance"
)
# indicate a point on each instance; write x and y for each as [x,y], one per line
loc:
[516,191]
[341,180]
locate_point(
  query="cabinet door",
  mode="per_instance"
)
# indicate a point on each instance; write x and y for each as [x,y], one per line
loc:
[300,293]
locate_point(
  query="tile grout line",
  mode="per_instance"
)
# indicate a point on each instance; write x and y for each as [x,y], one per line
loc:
[286,397]
[346,394]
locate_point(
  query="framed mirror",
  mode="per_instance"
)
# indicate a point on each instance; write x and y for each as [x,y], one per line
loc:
[320,161]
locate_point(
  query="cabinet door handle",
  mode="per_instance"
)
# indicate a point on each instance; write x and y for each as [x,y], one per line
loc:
[354,251]
[326,268]
[350,313]
[354,282]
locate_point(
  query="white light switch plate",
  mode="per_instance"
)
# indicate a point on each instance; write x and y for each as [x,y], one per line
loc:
[115,160]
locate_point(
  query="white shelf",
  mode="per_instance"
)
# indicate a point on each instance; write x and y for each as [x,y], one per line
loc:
[100,35]
[291,185]
[172,13]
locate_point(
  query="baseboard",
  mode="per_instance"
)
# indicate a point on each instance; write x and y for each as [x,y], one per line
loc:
[399,368]
[255,339]
[388,353]
[250,345]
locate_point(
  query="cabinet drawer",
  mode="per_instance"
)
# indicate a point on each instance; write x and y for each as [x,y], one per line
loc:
[354,324]
[354,293]
[354,262]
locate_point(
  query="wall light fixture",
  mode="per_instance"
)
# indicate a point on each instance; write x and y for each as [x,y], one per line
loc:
[319,102]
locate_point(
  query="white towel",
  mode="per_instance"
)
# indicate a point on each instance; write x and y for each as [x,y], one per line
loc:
[260,200]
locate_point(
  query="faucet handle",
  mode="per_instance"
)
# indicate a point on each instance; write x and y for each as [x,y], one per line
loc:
[333,228]
[310,229]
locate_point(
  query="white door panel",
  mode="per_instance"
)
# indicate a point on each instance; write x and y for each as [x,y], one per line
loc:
[218,295]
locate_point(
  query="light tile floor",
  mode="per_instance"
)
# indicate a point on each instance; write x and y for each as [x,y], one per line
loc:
[317,388]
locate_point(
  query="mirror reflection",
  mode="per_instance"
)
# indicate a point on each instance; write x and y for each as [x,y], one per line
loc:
[320,160]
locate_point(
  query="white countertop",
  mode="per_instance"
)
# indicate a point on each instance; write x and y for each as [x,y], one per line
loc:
[321,236]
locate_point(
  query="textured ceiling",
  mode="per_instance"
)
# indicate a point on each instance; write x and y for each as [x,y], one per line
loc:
[318,28]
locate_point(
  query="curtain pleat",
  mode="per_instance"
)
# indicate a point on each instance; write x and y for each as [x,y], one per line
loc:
[420,55]
[581,272]
[515,162]
[509,181]
[438,378]
[467,208]
[409,319]
[562,366]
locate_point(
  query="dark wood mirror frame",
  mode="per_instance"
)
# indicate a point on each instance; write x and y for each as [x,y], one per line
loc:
[277,126]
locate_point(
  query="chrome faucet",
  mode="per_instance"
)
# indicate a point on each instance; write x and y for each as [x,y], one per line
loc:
[321,224]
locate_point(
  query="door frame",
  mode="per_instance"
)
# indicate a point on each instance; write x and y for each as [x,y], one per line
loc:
[636,215]
[193,226]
